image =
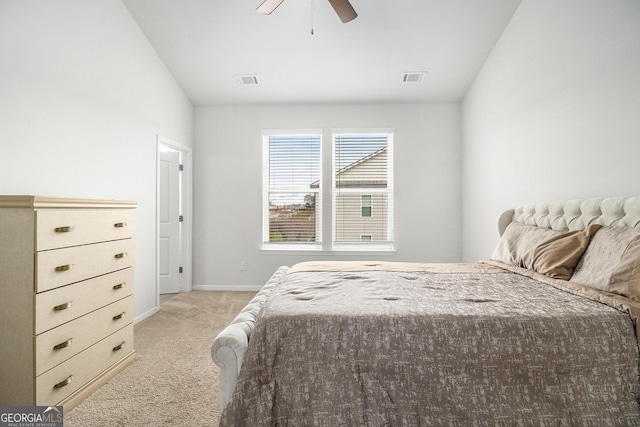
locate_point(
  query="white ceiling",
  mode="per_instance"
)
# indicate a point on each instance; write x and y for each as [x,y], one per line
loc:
[206,43]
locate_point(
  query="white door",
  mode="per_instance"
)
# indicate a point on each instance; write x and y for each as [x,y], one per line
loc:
[169,222]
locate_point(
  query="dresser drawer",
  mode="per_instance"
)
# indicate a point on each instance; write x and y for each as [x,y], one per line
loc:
[57,345]
[56,384]
[60,305]
[59,267]
[59,228]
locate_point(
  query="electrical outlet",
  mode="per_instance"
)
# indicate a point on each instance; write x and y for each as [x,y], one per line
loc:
[243,266]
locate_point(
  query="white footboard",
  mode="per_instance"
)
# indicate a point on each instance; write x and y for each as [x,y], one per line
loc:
[227,350]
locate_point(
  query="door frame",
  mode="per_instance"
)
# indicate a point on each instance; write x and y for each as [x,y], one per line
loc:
[186,229]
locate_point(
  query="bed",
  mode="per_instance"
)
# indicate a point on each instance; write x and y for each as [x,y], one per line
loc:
[544,332]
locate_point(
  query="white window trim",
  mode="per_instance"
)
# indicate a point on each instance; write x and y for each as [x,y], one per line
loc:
[325,245]
[286,246]
[378,247]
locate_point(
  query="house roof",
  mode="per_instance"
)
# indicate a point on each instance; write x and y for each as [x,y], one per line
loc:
[357,163]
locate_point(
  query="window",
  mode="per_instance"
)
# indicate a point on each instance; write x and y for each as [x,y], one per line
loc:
[291,189]
[365,206]
[358,189]
[362,190]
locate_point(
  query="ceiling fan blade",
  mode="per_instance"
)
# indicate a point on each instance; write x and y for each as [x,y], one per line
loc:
[268,6]
[344,10]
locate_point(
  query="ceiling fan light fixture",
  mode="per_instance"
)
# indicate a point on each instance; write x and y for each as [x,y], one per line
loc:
[414,77]
[268,6]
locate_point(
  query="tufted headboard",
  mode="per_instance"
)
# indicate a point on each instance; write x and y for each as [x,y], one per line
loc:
[563,215]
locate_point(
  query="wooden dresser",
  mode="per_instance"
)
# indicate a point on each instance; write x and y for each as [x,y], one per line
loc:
[66,297]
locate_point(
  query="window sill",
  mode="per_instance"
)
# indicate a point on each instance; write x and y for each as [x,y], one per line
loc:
[271,250]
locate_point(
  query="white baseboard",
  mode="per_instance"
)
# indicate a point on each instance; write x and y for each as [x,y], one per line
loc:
[146,315]
[226,288]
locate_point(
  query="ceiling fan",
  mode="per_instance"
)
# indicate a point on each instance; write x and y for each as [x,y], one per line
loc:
[343,8]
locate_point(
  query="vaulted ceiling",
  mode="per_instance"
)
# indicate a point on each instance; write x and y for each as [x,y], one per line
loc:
[206,44]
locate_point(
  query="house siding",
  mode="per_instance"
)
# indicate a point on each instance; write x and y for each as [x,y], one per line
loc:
[370,175]
[351,225]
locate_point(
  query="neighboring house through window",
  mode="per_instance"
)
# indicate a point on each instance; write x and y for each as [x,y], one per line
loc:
[363,189]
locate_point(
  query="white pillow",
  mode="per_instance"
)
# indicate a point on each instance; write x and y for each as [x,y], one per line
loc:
[518,242]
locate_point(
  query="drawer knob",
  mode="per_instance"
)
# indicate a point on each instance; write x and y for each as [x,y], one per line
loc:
[120,285]
[65,267]
[120,255]
[119,346]
[63,306]
[119,316]
[62,345]
[64,383]
[120,224]
[65,229]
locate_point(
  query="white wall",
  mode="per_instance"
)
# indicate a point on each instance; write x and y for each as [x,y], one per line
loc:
[553,114]
[228,184]
[82,97]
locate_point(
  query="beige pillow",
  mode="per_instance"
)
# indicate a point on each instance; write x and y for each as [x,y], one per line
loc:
[558,256]
[625,280]
[612,262]
[518,242]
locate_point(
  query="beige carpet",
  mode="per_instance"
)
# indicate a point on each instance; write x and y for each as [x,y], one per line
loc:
[173,381]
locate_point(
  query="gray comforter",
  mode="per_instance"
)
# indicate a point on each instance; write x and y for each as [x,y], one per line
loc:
[366,346]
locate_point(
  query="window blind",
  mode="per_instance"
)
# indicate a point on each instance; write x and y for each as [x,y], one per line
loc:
[292,189]
[363,189]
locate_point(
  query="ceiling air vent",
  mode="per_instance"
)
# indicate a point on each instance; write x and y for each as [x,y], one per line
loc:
[247,80]
[417,77]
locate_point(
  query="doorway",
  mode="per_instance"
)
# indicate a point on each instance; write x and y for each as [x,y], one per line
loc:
[173,218]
